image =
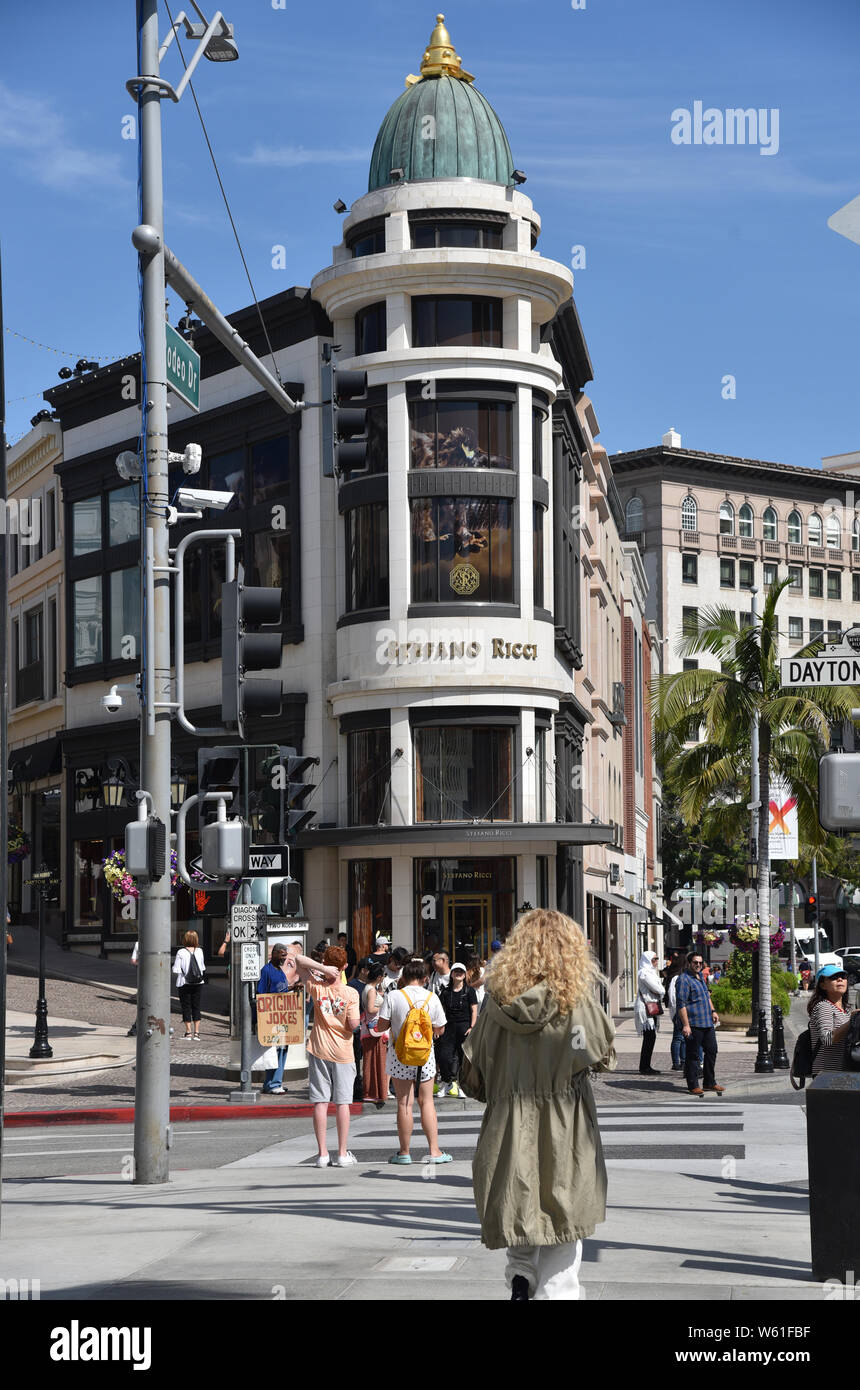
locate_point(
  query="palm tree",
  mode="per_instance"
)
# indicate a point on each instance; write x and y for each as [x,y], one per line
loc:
[712,773]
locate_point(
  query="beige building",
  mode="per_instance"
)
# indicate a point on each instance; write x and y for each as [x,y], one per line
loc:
[36,690]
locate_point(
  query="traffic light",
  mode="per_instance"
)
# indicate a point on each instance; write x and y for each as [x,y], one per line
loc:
[298,791]
[286,897]
[225,844]
[349,421]
[811,907]
[284,792]
[244,608]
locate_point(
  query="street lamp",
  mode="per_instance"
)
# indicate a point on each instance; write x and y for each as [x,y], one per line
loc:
[115,783]
[44,886]
[178,788]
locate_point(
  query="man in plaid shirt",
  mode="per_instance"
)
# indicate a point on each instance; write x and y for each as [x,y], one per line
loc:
[698,1017]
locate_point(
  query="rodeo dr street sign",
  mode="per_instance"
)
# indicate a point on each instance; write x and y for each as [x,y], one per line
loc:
[838,664]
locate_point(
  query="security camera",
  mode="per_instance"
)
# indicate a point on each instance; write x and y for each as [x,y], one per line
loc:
[112,701]
[201,497]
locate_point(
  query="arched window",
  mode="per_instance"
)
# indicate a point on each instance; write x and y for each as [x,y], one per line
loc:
[834,532]
[634,514]
[855,534]
[795,528]
[727,519]
[768,523]
[815,529]
[689,514]
[745,520]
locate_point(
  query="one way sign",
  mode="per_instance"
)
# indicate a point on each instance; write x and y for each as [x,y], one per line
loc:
[265,863]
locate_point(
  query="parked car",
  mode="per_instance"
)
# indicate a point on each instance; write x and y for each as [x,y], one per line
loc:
[850,958]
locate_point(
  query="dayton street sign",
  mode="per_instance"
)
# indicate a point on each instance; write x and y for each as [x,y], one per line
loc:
[836,665]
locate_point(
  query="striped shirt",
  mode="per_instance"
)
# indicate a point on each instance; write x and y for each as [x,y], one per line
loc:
[823,1023]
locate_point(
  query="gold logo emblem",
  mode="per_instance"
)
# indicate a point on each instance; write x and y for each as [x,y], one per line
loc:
[464,579]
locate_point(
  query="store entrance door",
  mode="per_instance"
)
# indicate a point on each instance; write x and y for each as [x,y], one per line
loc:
[468,919]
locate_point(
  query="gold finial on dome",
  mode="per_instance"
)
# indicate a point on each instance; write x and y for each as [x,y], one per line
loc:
[439,57]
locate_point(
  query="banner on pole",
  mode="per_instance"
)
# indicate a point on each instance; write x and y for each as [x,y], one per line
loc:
[783,832]
[280,1019]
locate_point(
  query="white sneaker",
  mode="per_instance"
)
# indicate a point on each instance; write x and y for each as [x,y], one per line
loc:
[322,1161]
[347,1160]
[443,1089]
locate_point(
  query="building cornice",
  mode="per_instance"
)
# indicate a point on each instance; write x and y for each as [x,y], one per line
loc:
[655,461]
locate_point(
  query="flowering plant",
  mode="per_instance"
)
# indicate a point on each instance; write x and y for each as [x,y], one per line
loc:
[745,932]
[708,936]
[17,845]
[123,884]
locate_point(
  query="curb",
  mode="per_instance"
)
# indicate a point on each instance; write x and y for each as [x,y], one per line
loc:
[124,1115]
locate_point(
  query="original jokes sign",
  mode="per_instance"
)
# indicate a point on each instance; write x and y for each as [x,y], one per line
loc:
[280,1019]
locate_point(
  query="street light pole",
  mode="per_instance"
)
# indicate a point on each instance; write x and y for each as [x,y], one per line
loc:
[152,1099]
[41,1047]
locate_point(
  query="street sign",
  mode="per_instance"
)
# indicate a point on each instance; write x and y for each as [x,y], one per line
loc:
[283,926]
[249,961]
[183,368]
[836,665]
[268,861]
[247,921]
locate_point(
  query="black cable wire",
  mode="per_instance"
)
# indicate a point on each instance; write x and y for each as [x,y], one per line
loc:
[226,203]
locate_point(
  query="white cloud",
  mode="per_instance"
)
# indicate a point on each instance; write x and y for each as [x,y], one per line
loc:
[291,156]
[48,154]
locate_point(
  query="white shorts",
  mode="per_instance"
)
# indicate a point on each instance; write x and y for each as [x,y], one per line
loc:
[395,1068]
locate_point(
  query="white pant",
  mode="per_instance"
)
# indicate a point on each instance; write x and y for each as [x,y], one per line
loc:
[552,1271]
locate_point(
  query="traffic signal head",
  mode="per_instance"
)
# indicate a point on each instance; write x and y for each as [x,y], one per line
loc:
[349,421]
[811,907]
[298,792]
[286,897]
[284,793]
[243,609]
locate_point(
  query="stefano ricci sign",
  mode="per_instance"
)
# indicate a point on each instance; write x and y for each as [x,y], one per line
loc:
[419,652]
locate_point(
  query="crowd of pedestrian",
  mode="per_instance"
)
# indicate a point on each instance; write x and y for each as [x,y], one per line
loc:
[682,989]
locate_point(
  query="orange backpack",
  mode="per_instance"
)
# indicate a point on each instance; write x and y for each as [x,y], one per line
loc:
[415,1040]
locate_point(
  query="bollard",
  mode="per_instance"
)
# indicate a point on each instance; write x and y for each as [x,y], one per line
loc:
[833,1138]
[763,1061]
[778,1054]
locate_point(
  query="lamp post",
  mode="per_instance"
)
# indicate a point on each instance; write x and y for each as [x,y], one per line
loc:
[44,885]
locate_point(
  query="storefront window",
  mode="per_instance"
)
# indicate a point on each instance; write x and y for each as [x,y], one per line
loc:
[87,526]
[538,417]
[463,773]
[537,557]
[462,905]
[541,773]
[462,548]
[270,470]
[461,434]
[366,530]
[370,329]
[369,903]
[227,474]
[456,321]
[88,856]
[369,776]
[272,559]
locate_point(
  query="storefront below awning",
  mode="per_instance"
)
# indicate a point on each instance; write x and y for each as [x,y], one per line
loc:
[638,911]
[35,760]
[465,833]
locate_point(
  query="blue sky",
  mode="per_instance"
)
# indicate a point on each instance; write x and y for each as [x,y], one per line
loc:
[701,261]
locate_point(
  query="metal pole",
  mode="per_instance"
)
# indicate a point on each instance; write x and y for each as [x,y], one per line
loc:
[752,1031]
[4,735]
[816,948]
[41,1047]
[791,938]
[152,1096]
[246,1094]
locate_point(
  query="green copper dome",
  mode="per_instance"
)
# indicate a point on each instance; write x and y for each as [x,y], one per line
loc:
[441,127]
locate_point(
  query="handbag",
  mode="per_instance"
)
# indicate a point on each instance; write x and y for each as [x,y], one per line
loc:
[852,1045]
[654,1009]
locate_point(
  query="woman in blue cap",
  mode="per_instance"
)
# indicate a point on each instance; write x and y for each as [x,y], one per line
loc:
[829,1020]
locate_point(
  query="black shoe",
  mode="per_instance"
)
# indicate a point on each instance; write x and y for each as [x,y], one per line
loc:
[677,1068]
[132,1032]
[649,1071]
[519,1289]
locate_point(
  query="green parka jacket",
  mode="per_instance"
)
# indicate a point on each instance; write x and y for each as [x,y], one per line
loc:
[538,1172]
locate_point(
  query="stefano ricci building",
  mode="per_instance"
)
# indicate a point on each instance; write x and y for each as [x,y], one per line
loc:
[432,602]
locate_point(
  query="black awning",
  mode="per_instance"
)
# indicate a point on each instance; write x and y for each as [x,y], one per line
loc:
[637,910]
[463,833]
[35,760]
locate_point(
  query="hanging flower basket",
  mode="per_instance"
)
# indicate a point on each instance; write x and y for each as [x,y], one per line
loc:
[18,846]
[745,932]
[708,936]
[124,885]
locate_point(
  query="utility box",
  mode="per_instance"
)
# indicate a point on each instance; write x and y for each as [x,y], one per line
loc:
[226,846]
[833,1141]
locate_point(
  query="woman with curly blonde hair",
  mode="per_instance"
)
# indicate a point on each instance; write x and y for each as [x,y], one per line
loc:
[538,1172]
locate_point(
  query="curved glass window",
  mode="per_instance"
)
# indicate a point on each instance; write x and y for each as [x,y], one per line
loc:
[537,554]
[855,535]
[745,520]
[795,528]
[456,321]
[727,519]
[834,533]
[367,557]
[463,773]
[370,329]
[815,530]
[369,776]
[689,514]
[429,234]
[462,549]
[634,515]
[370,243]
[538,418]
[461,434]
[769,524]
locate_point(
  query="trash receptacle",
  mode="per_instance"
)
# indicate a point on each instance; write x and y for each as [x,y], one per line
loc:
[833,1143]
